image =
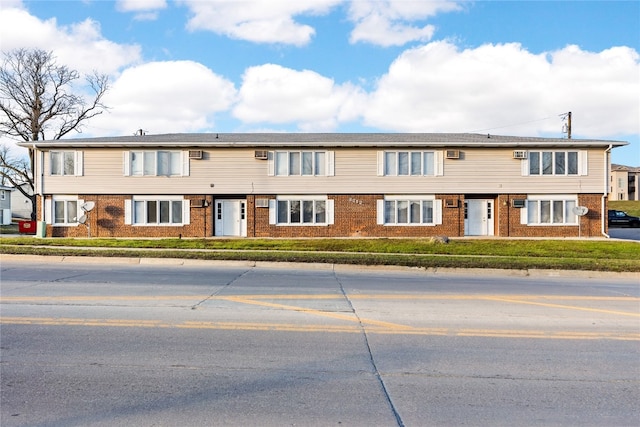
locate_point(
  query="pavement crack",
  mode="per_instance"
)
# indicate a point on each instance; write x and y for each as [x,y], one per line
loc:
[372,359]
[218,291]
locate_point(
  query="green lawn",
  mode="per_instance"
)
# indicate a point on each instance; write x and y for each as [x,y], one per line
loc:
[600,255]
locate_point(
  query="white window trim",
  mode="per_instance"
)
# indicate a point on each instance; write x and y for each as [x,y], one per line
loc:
[329,166]
[49,206]
[438,163]
[437,210]
[78,162]
[329,210]
[129,211]
[524,212]
[583,163]
[127,159]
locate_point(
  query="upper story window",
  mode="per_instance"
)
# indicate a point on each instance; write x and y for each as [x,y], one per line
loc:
[409,210]
[301,163]
[66,162]
[410,163]
[557,163]
[156,163]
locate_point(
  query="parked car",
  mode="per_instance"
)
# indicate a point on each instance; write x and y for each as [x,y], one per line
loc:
[622,219]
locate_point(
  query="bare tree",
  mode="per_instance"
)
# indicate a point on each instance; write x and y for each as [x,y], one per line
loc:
[16,171]
[38,101]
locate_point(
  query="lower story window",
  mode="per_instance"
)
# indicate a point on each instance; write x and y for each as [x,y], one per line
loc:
[65,212]
[409,210]
[149,210]
[301,210]
[551,211]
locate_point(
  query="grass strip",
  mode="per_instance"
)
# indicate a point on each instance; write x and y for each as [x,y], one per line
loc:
[408,260]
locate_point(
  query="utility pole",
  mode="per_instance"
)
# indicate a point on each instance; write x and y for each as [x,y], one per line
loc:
[567,126]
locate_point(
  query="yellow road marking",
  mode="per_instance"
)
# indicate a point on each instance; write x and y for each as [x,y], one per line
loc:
[284,327]
[570,307]
[257,299]
[102,298]
[350,318]
[317,297]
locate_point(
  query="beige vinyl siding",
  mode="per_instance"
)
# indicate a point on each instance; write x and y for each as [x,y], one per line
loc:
[236,171]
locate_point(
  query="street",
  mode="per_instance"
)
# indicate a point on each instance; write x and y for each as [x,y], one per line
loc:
[104,342]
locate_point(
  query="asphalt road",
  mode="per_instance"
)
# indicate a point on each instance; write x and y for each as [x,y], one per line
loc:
[116,344]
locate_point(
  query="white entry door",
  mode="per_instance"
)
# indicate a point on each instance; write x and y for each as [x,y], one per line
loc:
[478,219]
[231,217]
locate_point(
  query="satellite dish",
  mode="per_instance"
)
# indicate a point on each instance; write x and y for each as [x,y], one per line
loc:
[88,206]
[82,219]
[580,210]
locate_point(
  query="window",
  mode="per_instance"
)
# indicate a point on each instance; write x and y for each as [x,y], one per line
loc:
[66,163]
[156,163]
[63,210]
[409,163]
[3,195]
[551,210]
[557,163]
[301,210]
[157,210]
[301,163]
[409,210]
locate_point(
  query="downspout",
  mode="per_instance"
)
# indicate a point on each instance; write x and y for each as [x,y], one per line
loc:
[605,214]
[37,178]
[41,186]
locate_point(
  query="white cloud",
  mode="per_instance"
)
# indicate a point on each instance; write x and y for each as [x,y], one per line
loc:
[11,4]
[276,95]
[80,46]
[147,10]
[140,5]
[164,97]
[257,21]
[439,88]
[389,22]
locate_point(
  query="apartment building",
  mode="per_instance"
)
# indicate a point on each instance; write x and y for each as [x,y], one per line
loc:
[322,185]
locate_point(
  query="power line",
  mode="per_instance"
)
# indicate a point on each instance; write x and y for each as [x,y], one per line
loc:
[513,124]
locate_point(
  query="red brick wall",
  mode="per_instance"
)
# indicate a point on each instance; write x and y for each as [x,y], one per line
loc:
[509,220]
[354,216]
[107,220]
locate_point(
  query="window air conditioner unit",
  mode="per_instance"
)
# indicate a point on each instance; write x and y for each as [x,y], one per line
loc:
[519,154]
[518,203]
[262,203]
[453,154]
[261,154]
[195,154]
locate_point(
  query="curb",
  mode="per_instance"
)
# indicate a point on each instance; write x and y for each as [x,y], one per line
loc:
[540,273]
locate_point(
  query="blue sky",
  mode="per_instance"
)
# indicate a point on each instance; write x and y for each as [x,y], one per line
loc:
[502,67]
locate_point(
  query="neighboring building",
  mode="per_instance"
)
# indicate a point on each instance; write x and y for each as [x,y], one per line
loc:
[624,183]
[5,205]
[21,205]
[323,185]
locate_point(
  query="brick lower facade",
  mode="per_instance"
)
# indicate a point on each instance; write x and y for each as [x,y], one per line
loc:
[354,216]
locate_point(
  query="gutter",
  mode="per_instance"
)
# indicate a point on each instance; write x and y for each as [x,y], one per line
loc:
[605,214]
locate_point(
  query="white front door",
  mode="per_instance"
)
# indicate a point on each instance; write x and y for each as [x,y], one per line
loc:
[478,218]
[230,218]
